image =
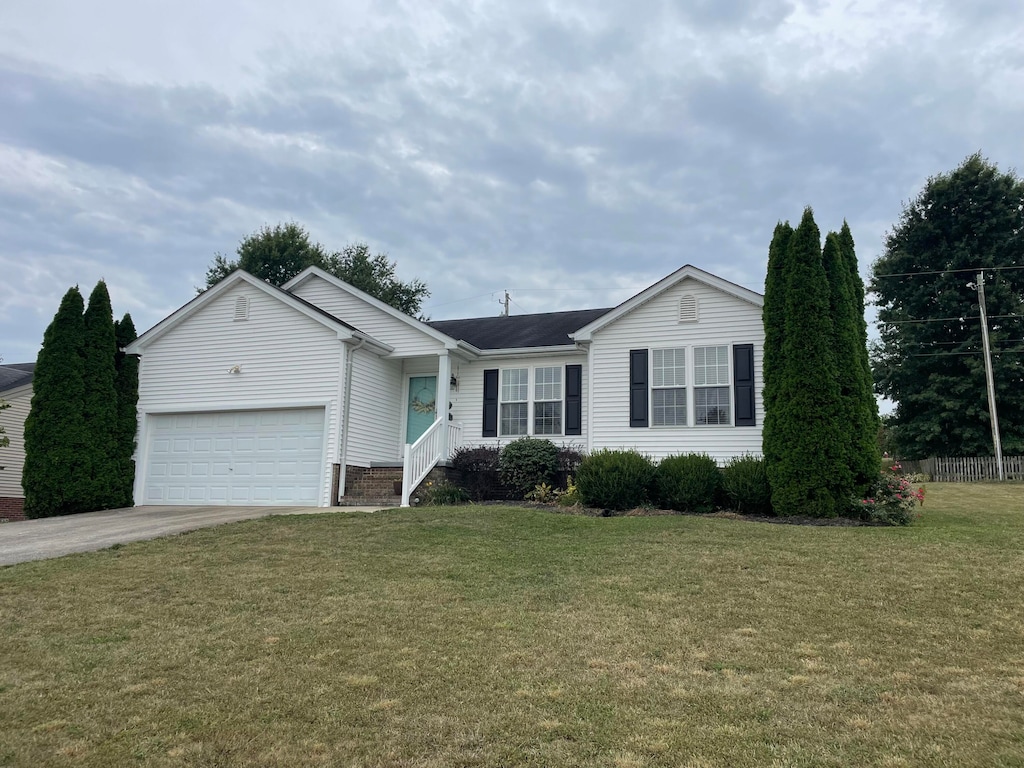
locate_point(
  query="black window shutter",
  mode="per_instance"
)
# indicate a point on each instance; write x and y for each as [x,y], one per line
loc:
[574,399]
[743,383]
[638,392]
[491,403]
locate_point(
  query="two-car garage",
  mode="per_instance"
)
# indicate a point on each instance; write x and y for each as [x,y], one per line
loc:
[258,457]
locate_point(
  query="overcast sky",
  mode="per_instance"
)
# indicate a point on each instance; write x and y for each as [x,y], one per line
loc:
[571,152]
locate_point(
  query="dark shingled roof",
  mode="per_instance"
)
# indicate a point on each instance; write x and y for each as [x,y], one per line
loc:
[15,375]
[548,329]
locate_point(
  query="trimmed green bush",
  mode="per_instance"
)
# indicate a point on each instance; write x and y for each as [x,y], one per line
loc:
[688,483]
[526,463]
[745,483]
[614,479]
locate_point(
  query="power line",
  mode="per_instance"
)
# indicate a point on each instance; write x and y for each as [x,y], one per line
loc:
[951,271]
[946,319]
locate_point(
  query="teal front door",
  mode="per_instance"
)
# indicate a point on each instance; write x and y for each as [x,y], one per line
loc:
[421,407]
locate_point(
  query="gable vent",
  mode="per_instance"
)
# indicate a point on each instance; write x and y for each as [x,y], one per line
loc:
[242,308]
[688,309]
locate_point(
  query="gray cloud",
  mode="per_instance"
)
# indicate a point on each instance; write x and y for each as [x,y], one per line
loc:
[573,154]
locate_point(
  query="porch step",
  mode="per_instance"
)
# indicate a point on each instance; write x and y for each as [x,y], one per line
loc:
[379,501]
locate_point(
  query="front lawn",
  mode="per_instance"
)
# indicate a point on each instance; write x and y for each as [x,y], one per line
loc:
[492,636]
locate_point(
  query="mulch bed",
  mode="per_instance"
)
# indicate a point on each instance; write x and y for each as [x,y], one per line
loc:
[650,512]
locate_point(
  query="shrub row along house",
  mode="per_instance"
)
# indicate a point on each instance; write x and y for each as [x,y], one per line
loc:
[253,394]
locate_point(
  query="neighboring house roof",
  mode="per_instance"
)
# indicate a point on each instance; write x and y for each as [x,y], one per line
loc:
[15,375]
[585,332]
[548,329]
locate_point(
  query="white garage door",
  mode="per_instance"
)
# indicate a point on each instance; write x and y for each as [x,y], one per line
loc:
[236,457]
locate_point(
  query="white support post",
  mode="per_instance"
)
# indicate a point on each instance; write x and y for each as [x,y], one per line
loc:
[441,398]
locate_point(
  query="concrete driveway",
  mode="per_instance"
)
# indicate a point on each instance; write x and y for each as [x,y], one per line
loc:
[56,536]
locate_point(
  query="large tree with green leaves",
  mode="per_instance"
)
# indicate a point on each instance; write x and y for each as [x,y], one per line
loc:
[808,471]
[929,359]
[56,437]
[126,383]
[277,254]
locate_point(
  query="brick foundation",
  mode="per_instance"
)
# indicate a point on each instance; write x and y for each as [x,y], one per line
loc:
[12,508]
[381,484]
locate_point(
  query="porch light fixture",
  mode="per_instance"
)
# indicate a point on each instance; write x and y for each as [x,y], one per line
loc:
[454,383]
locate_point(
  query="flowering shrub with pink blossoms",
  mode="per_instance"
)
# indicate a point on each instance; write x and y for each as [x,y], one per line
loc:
[892,499]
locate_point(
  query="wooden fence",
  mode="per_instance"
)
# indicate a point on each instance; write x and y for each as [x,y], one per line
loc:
[967,469]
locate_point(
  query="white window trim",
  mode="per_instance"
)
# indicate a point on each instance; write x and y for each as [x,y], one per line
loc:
[531,400]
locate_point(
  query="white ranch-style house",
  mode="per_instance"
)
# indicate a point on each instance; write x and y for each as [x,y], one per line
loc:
[253,394]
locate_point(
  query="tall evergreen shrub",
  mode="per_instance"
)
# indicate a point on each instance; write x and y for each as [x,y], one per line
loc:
[55,474]
[807,470]
[865,425]
[126,383]
[99,404]
[774,314]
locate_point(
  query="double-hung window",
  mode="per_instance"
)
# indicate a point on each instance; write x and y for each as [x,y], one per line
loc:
[547,401]
[668,388]
[515,394]
[711,385]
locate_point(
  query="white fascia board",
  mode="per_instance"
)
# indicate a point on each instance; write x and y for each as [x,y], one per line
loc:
[412,322]
[360,339]
[561,349]
[683,273]
[200,301]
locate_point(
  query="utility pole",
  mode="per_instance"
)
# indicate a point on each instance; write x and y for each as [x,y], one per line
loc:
[993,418]
[504,303]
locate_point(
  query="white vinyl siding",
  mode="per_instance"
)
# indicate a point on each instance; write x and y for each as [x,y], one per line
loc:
[375,419]
[723,320]
[284,360]
[12,458]
[407,340]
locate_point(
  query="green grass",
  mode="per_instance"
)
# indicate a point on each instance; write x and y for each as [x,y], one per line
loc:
[496,637]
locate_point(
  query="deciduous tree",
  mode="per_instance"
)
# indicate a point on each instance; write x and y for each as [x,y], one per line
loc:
[929,358]
[280,253]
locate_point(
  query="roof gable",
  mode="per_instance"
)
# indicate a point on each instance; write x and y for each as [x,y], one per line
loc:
[690,272]
[384,307]
[343,329]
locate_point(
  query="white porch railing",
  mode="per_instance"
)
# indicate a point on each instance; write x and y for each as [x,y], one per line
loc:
[423,455]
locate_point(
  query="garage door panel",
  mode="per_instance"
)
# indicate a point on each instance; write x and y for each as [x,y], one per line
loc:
[244,457]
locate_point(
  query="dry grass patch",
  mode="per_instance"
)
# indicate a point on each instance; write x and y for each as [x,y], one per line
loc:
[498,637]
